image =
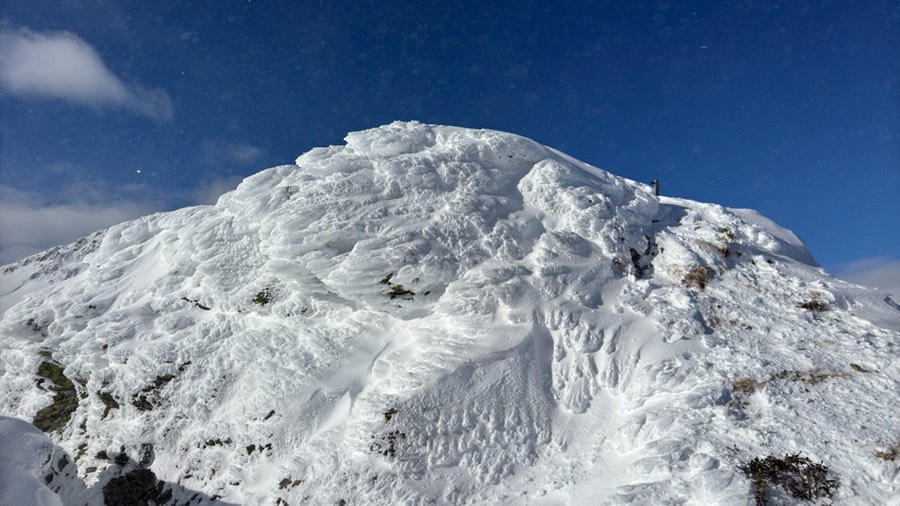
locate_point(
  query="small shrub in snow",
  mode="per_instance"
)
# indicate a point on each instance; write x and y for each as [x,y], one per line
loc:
[698,277]
[891,454]
[815,302]
[403,293]
[196,303]
[742,389]
[810,377]
[726,234]
[747,385]
[814,305]
[262,298]
[388,443]
[643,262]
[796,475]
[397,291]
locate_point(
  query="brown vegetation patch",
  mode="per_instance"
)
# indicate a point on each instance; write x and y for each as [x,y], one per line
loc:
[798,476]
[698,277]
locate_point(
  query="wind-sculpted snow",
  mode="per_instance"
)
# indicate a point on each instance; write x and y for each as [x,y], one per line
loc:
[432,314]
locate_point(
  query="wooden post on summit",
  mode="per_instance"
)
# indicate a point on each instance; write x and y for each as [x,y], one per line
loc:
[655,184]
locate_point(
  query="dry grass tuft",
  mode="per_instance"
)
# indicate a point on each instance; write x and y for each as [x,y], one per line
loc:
[798,476]
[698,277]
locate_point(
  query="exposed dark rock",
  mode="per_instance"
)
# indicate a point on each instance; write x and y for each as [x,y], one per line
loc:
[138,488]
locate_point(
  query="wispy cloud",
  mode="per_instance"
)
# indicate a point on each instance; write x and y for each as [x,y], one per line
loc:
[61,65]
[230,152]
[883,273]
[209,192]
[29,224]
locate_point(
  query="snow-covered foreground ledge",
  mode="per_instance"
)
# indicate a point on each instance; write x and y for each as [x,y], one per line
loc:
[441,314]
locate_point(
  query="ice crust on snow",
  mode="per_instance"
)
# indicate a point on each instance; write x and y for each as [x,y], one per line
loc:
[439,314]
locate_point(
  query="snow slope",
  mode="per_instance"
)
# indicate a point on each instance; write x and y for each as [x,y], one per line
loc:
[431,314]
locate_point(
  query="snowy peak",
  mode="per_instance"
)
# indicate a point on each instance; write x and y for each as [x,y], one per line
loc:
[431,313]
[427,203]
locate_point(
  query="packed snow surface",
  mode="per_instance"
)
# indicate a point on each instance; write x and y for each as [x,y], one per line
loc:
[431,314]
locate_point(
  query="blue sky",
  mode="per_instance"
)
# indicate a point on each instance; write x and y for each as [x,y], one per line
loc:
[114,109]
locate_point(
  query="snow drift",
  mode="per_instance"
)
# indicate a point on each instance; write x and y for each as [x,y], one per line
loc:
[431,314]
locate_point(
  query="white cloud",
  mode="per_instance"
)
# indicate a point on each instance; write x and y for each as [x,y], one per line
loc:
[31,222]
[227,152]
[244,153]
[29,225]
[62,65]
[883,273]
[210,192]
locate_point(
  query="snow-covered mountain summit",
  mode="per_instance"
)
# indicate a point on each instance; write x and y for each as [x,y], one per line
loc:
[431,314]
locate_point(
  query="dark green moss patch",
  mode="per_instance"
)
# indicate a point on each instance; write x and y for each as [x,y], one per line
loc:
[54,373]
[54,417]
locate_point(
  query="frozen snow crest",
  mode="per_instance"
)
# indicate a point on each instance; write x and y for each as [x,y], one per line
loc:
[391,140]
[432,314]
